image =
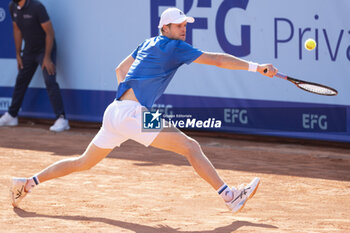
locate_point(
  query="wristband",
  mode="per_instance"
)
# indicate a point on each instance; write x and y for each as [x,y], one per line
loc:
[253,67]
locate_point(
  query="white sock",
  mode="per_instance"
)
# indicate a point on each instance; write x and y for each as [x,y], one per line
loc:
[225,192]
[32,182]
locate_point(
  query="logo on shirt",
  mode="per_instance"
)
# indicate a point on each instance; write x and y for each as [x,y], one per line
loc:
[27,16]
[152,120]
[2,14]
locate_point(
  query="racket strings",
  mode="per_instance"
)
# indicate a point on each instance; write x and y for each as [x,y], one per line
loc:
[317,89]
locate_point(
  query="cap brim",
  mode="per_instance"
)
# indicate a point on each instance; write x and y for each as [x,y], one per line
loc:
[189,19]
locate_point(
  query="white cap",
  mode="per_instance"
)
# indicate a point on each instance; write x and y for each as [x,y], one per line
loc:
[173,15]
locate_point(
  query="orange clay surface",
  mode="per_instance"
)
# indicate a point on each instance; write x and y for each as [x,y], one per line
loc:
[304,188]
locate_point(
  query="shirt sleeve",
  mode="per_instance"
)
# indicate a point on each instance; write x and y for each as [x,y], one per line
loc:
[185,53]
[42,14]
[134,53]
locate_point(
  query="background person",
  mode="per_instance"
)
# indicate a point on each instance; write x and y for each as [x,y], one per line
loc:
[32,23]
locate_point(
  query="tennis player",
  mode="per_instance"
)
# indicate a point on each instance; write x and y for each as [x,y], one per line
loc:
[143,77]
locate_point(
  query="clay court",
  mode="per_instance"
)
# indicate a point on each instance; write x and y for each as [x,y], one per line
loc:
[304,187]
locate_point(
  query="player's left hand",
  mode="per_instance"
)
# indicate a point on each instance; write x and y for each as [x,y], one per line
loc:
[267,70]
[50,67]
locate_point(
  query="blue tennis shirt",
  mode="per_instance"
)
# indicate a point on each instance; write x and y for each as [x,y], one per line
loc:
[156,61]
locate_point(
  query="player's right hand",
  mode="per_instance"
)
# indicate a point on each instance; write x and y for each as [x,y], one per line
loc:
[267,70]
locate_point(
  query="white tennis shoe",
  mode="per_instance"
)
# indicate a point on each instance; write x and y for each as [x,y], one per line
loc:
[242,194]
[60,125]
[8,120]
[17,191]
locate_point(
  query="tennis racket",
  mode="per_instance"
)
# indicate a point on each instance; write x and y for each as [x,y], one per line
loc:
[308,86]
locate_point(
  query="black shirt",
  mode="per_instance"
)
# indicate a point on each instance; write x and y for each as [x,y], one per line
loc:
[29,19]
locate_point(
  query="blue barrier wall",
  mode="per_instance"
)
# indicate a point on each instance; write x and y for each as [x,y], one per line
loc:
[92,39]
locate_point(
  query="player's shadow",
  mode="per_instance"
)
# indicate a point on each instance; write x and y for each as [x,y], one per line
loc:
[139,227]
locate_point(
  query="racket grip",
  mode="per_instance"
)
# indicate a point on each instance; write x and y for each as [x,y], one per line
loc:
[282,76]
[278,75]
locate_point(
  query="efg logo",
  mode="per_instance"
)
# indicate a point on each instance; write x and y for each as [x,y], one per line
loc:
[314,121]
[234,115]
[2,14]
[240,50]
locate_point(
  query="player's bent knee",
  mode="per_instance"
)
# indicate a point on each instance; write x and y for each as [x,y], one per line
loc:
[192,147]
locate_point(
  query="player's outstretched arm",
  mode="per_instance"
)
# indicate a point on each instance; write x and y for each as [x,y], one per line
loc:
[123,68]
[227,61]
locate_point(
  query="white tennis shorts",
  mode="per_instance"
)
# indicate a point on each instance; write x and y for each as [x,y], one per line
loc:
[122,120]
